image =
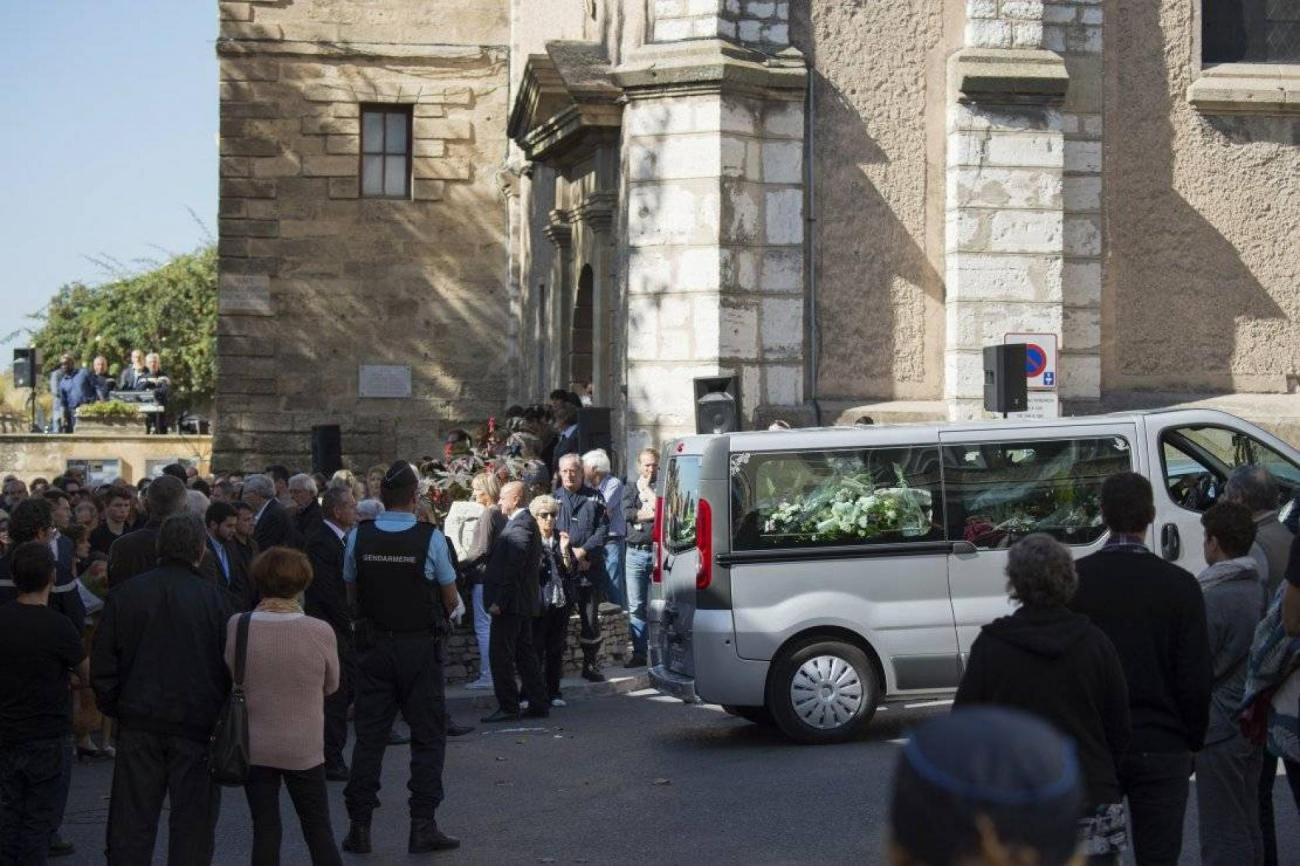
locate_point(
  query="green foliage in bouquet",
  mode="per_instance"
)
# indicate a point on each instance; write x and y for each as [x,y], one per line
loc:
[851,507]
[110,410]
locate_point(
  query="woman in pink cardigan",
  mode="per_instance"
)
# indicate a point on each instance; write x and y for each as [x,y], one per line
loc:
[291,664]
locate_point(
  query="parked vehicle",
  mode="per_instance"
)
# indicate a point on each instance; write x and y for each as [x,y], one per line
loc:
[807,576]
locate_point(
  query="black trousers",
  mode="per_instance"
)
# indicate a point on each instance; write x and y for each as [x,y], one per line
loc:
[147,768]
[336,705]
[589,625]
[510,651]
[31,799]
[1156,784]
[310,801]
[1267,778]
[550,631]
[398,673]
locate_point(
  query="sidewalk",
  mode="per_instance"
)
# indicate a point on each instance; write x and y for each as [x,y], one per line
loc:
[620,680]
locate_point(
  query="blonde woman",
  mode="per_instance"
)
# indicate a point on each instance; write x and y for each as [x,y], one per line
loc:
[486,488]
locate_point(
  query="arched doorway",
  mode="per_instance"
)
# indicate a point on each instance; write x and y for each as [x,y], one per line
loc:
[582,329]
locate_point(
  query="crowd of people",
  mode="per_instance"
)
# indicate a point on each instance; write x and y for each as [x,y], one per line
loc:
[74,386]
[326,598]
[1132,675]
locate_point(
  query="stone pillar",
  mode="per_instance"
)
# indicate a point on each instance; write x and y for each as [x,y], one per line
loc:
[712,178]
[759,23]
[1007,233]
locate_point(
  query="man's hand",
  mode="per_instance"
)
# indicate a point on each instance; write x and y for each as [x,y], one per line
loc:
[580,554]
[495,610]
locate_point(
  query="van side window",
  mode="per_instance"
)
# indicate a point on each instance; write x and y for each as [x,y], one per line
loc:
[1198,460]
[681,496]
[999,492]
[829,498]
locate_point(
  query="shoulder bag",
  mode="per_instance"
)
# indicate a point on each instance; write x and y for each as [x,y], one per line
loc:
[228,755]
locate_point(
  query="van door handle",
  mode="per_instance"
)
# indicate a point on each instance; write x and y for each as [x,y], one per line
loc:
[964,548]
[1171,545]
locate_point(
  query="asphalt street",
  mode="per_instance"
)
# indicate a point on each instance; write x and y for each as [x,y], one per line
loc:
[621,779]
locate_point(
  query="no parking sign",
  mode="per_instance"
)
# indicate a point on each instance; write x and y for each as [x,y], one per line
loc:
[1040,359]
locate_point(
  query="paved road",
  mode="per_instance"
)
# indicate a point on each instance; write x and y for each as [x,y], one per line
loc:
[623,779]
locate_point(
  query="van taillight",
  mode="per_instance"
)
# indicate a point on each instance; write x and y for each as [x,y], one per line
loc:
[704,544]
[657,542]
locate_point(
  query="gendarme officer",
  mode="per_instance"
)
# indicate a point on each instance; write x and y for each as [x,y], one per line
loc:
[400,579]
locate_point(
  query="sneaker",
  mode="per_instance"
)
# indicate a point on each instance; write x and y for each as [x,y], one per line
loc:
[558,702]
[480,683]
[592,675]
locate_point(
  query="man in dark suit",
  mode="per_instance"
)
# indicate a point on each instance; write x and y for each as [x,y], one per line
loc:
[512,597]
[584,519]
[327,598]
[137,552]
[307,513]
[273,525]
[566,428]
[221,566]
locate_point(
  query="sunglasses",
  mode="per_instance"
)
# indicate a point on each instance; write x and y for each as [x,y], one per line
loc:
[546,516]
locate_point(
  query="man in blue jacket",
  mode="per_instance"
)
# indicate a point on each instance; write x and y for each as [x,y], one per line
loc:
[584,521]
[76,388]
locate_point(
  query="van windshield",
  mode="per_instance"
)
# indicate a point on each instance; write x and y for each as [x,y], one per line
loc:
[681,497]
[832,498]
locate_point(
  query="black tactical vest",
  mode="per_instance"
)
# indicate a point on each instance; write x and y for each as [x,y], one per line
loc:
[392,591]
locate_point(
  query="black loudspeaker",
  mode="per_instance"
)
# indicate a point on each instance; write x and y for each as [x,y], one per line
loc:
[326,449]
[717,404]
[25,371]
[1005,384]
[594,430]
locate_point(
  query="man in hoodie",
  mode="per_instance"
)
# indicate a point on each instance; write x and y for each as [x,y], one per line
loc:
[1227,768]
[1052,662]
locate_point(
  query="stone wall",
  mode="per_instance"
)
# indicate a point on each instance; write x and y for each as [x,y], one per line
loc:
[753,22]
[463,658]
[44,456]
[315,281]
[1202,215]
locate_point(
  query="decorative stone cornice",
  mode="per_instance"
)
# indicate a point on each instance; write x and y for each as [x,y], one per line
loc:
[1247,88]
[1009,76]
[564,95]
[596,210]
[559,229]
[710,66]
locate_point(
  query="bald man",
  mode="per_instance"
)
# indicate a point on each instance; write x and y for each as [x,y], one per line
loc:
[511,595]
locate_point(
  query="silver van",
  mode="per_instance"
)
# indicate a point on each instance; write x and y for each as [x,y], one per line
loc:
[806,576]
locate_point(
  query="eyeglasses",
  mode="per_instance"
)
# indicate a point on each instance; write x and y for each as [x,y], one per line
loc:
[545,516]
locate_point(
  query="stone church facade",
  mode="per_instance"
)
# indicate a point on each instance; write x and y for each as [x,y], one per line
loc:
[839,203]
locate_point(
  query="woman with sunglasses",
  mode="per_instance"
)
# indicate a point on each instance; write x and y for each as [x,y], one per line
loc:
[551,627]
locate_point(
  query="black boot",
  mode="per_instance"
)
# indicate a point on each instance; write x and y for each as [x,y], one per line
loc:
[426,837]
[358,839]
[592,674]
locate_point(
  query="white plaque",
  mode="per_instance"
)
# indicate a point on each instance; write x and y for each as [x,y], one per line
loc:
[389,381]
[1043,405]
[245,295]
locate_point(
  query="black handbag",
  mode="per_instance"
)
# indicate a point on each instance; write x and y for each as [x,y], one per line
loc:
[228,756]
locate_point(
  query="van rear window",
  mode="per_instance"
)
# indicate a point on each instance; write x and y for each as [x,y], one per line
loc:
[681,498]
[833,498]
[999,492]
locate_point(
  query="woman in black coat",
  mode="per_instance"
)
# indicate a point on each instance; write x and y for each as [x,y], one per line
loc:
[1055,663]
[558,588]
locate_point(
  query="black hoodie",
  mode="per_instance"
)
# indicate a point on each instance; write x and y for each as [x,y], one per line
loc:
[1058,665]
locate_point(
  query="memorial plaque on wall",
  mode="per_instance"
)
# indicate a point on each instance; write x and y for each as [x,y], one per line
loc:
[391,381]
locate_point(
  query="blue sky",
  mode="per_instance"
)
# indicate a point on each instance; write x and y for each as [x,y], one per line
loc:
[108,137]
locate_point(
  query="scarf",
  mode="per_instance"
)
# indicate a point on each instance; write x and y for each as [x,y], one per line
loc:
[279,605]
[1271,698]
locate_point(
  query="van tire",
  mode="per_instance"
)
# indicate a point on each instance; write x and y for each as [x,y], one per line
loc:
[822,663]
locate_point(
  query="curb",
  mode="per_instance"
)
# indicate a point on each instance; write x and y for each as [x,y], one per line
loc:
[574,688]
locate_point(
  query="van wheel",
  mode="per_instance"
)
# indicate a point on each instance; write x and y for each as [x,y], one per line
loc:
[823,691]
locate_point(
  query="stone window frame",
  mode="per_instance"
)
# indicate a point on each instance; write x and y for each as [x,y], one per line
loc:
[386,108]
[1240,88]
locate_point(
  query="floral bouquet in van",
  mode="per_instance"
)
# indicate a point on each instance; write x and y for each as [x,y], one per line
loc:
[851,507]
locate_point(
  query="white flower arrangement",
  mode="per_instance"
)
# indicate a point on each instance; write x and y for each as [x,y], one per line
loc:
[848,508]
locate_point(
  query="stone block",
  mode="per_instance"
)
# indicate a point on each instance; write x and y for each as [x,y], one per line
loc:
[674,157]
[1084,40]
[784,120]
[421,110]
[1024,10]
[1025,149]
[988,33]
[782,385]
[741,206]
[748,30]
[642,328]
[1082,329]
[1083,235]
[343,144]
[234,166]
[782,329]
[320,125]
[1082,193]
[777,34]
[283,165]
[1027,34]
[782,270]
[673,29]
[783,217]
[329,166]
[431,147]
[1058,13]
[1083,157]
[344,188]
[246,69]
[441,168]
[783,162]
[1081,283]
[671,8]
[428,190]
[1017,232]
[244,228]
[233,247]
[990,277]
[737,331]
[450,129]
[760,8]
[248,147]
[1091,16]
[670,214]
[975,325]
[1080,376]
[238,187]
[1005,187]
[232,11]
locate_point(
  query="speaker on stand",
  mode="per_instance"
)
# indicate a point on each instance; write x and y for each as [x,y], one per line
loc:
[717,404]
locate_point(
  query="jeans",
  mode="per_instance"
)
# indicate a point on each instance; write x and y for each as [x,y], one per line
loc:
[399,672]
[1156,785]
[550,630]
[1267,777]
[513,652]
[310,801]
[482,633]
[1227,800]
[65,782]
[616,588]
[638,567]
[31,797]
[149,767]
